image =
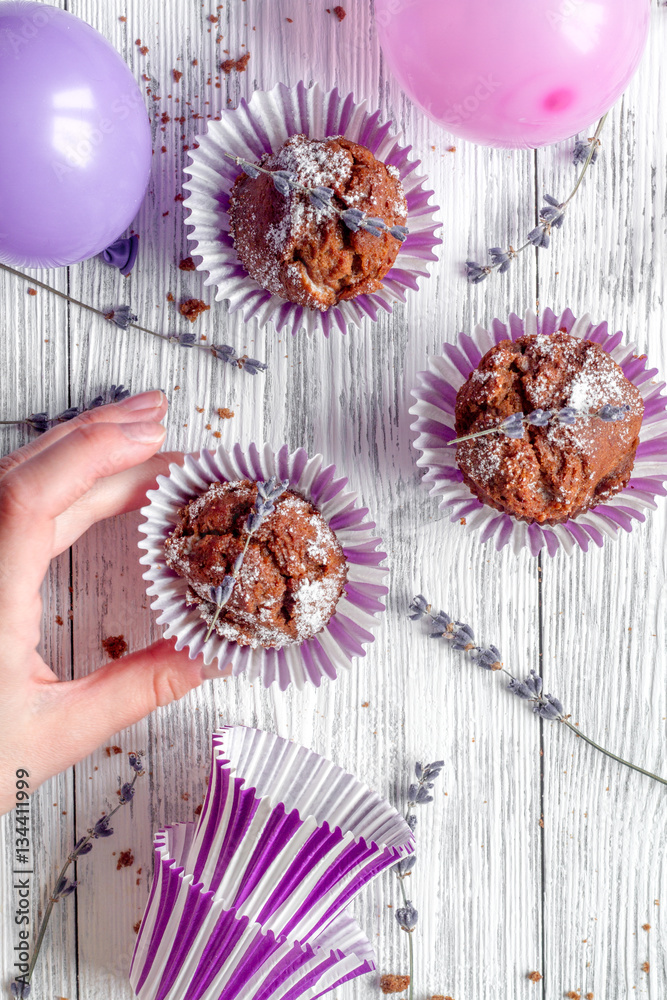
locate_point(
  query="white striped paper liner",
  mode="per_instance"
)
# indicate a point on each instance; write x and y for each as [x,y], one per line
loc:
[262,125]
[349,629]
[192,945]
[434,427]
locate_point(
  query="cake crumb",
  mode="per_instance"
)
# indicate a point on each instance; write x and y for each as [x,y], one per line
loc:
[32,291]
[646,927]
[239,64]
[114,646]
[365,704]
[112,750]
[198,810]
[394,984]
[340,12]
[573,995]
[170,297]
[534,976]
[217,434]
[125,860]
[177,75]
[187,264]
[122,18]
[199,409]
[646,967]
[225,413]
[59,620]
[144,50]
[451,149]
[192,309]
[463,522]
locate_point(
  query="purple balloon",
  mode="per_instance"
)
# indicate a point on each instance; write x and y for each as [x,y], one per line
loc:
[76,141]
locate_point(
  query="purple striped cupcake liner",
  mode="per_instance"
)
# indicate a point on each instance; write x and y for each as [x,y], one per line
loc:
[434,428]
[191,944]
[348,631]
[260,126]
[249,901]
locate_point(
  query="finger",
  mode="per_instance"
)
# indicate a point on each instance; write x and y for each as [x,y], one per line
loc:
[82,714]
[36,491]
[150,405]
[118,494]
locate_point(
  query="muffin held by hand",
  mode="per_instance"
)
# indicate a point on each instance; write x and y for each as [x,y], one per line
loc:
[297,245]
[573,431]
[287,566]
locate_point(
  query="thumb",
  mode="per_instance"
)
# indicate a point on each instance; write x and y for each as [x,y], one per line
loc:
[86,712]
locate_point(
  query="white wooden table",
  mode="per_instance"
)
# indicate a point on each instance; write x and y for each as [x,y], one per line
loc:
[538,854]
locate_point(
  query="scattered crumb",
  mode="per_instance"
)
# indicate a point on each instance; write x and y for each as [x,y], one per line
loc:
[394,984]
[646,967]
[187,264]
[112,750]
[646,927]
[32,291]
[217,434]
[177,74]
[289,19]
[125,860]
[589,996]
[463,522]
[192,309]
[573,995]
[225,413]
[186,796]
[340,12]
[451,149]
[122,18]
[135,927]
[179,197]
[59,620]
[144,50]
[199,409]
[365,704]
[534,976]
[198,810]
[239,64]
[170,297]
[114,646]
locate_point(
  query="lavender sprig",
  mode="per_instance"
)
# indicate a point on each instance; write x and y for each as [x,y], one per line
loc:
[551,216]
[419,794]
[265,504]
[546,706]
[514,425]
[64,886]
[40,422]
[123,317]
[321,198]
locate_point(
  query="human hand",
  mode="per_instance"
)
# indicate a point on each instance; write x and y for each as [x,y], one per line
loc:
[51,491]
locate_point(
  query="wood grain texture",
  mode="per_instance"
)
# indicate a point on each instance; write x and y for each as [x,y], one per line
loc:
[498,893]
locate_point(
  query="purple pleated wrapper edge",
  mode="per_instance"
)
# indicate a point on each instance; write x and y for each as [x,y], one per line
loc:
[433,429]
[262,125]
[350,628]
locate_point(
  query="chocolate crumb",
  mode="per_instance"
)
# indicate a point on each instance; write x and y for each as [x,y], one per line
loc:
[225,413]
[534,977]
[59,620]
[32,291]
[192,309]
[125,860]
[135,927]
[144,50]
[198,810]
[289,20]
[573,995]
[394,984]
[112,750]
[340,12]
[179,197]
[177,74]
[646,927]
[187,264]
[646,967]
[365,704]
[239,64]
[114,646]
[217,434]
[170,297]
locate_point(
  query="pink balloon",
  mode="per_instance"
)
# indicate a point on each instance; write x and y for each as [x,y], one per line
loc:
[76,141]
[519,73]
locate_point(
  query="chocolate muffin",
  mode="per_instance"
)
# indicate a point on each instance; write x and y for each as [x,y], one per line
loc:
[557,471]
[292,575]
[306,254]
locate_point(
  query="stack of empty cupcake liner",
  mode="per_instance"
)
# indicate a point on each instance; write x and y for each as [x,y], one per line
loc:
[249,901]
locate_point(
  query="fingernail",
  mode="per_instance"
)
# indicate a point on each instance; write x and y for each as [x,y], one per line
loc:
[144,401]
[145,432]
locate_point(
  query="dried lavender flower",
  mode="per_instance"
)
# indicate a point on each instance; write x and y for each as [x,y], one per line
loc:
[40,422]
[322,198]
[546,706]
[552,216]
[407,918]
[538,418]
[418,607]
[122,316]
[405,866]
[512,426]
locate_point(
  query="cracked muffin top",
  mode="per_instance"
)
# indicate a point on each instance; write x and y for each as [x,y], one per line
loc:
[292,575]
[557,471]
[306,254]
